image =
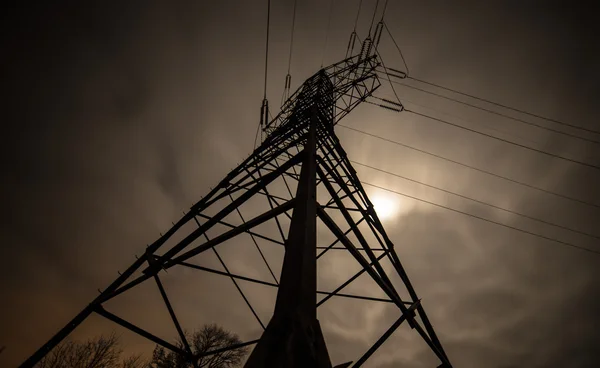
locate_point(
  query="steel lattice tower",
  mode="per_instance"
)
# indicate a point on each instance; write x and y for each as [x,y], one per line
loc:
[302,153]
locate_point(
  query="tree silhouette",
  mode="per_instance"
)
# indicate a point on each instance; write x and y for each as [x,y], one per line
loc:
[208,338]
[98,352]
[105,352]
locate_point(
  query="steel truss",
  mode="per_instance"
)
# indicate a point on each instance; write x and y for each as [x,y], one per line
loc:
[300,153]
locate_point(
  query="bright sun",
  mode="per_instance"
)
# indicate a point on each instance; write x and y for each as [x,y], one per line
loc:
[385,206]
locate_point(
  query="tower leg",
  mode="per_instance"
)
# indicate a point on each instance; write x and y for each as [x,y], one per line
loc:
[293,337]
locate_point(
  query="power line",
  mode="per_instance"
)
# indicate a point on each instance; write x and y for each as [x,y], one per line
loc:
[288,77]
[357,14]
[472,167]
[506,140]
[486,220]
[492,102]
[264,109]
[477,201]
[267,46]
[498,113]
[384,9]
[327,31]
[397,47]
[292,36]
[373,19]
[487,125]
[506,106]
[352,40]
[384,68]
[256,136]
[391,85]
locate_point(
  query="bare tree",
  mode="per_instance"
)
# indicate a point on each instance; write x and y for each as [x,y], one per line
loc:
[208,338]
[134,361]
[98,352]
[105,352]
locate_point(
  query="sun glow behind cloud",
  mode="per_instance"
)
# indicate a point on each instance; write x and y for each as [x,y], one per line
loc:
[387,206]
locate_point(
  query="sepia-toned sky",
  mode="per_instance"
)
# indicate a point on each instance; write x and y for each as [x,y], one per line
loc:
[118,116]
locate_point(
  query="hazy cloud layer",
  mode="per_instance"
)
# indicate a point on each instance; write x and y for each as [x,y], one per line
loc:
[120,116]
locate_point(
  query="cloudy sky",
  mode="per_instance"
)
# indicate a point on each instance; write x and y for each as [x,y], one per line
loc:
[119,116]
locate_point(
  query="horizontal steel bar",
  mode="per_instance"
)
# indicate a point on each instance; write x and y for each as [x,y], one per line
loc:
[233,232]
[342,248]
[267,283]
[120,321]
[247,231]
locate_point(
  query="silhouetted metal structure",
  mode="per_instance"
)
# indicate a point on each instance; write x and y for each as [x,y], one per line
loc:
[301,153]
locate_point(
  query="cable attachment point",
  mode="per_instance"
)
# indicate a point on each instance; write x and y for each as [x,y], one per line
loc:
[391,108]
[377,36]
[365,50]
[288,81]
[400,74]
[264,113]
[286,88]
[351,43]
[393,103]
[396,105]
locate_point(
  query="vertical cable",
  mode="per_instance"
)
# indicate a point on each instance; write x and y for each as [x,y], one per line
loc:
[288,77]
[351,42]
[397,47]
[292,37]
[373,19]
[327,31]
[267,46]
[384,9]
[256,135]
[264,108]
[357,15]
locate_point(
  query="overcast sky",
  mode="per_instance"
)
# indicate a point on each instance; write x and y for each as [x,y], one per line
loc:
[119,116]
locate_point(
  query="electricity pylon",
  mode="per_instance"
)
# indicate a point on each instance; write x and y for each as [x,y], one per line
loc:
[302,154]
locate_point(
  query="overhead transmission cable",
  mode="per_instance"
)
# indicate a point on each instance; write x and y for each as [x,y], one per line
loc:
[373,19]
[288,77]
[264,109]
[496,113]
[386,71]
[292,36]
[471,167]
[396,44]
[357,15]
[352,41]
[402,100]
[486,220]
[407,76]
[478,201]
[327,31]
[550,154]
[506,106]
[391,85]
[384,9]
[267,47]
[456,162]
[487,125]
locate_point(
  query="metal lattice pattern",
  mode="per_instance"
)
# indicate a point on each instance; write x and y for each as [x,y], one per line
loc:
[300,151]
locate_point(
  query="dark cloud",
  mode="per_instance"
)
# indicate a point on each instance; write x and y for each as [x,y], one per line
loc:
[119,116]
